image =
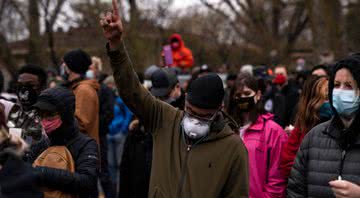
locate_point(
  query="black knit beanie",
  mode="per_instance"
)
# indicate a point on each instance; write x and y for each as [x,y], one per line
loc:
[206,92]
[77,61]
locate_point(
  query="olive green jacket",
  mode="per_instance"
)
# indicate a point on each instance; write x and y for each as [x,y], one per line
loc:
[215,167]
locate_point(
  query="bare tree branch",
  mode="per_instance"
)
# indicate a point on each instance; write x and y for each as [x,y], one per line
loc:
[228,18]
[17,8]
[298,22]
[237,13]
[56,11]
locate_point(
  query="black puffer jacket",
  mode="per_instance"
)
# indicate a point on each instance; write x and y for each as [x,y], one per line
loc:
[82,148]
[328,151]
[135,165]
[16,177]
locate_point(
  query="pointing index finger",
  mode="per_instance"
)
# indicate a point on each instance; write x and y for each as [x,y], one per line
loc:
[115,8]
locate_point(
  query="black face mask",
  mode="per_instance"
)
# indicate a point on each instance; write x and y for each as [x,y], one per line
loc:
[27,95]
[245,104]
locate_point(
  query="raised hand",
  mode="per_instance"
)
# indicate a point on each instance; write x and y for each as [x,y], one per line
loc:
[112,26]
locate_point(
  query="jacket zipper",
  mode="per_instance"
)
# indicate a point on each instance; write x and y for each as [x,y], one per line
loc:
[341,166]
[184,172]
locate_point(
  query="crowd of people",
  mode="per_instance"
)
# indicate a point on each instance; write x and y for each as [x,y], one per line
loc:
[265,133]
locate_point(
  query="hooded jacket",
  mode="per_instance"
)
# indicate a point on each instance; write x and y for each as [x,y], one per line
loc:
[82,148]
[328,151]
[264,141]
[216,167]
[182,56]
[87,107]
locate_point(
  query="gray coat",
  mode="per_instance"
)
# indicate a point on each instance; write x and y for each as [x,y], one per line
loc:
[326,153]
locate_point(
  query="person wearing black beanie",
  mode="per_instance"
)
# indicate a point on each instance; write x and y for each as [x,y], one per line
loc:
[76,63]
[197,151]
[206,92]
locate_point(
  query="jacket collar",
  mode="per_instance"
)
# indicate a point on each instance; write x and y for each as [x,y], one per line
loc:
[344,137]
[72,84]
[259,125]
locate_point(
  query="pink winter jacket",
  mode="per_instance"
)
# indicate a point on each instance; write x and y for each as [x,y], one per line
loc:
[264,140]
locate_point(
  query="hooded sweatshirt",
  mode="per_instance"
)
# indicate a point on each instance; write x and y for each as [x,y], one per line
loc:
[87,107]
[83,149]
[215,167]
[182,56]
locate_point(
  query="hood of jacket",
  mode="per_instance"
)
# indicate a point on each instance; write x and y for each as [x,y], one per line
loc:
[223,126]
[261,120]
[64,100]
[178,38]
[352,63]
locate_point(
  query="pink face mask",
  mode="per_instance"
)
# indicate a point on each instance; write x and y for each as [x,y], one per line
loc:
[50,125]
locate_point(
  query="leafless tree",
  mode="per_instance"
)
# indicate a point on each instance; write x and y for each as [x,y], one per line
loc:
[265,25]
[326,22]
[51,9]
[10,25]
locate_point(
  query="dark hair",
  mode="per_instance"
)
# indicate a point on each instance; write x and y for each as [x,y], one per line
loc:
[352,63]
[246,79]
[323,67]
[310,101]
[231,77]
[35,70]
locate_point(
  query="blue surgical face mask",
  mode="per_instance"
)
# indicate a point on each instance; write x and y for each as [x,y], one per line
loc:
[90,74]
[346,102]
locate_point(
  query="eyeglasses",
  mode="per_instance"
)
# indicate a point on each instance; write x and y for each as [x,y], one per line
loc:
[205,119]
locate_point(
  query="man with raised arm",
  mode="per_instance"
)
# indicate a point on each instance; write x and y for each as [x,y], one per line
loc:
[196,151]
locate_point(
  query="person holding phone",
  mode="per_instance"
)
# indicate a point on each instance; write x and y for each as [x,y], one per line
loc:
[17,178]
[176,54]
[23,118]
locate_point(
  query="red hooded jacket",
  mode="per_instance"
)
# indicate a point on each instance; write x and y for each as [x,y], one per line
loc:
[182,56]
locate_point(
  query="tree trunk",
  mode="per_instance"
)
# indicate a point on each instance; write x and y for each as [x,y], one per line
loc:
[325,20]
[6,56]
[34,45]
[134,13]
[50,35]
[276,13]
